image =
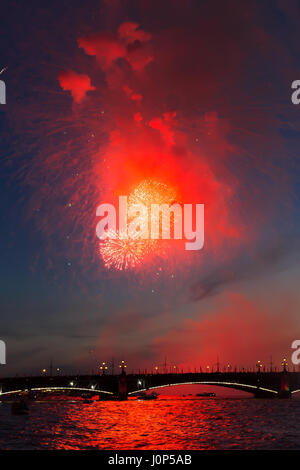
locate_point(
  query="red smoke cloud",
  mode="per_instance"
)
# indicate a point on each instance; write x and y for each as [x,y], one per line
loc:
[77,84]
[131,94]
[144,145]
[130,33]
[154,114]
[129,44]
[164,126]
[105,47]
[240,331]
[149,139]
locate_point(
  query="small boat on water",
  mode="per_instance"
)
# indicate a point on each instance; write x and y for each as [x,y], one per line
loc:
[19,408]
[206,394]
[147,396]
[88,400]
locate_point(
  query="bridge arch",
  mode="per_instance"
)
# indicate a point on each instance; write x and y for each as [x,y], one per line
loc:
[235,385]
[55,389]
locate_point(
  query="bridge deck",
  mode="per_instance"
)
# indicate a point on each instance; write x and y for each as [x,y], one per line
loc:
[268,383]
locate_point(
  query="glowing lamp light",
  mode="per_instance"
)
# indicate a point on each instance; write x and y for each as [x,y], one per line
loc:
[122,365]
[103,367]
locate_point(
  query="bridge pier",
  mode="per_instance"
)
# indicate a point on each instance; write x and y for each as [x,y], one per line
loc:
[285,391]
[122,389]
[285,394]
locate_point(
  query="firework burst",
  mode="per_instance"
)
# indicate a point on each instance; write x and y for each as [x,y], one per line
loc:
[121,252]
[152,192]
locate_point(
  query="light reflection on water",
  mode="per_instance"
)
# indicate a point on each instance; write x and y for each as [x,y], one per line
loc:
[166,423]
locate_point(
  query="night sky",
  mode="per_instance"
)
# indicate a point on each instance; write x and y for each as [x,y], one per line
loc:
[103,95]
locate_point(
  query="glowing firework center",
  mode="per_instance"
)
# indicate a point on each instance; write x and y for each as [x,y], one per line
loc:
[147,216]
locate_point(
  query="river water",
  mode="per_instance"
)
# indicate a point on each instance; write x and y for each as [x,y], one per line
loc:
[166,423]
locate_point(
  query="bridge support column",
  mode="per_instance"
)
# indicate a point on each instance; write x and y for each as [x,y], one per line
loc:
[258,392]
[122,392]
[285,391]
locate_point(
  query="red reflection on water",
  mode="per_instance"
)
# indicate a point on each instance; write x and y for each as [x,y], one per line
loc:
[166,423]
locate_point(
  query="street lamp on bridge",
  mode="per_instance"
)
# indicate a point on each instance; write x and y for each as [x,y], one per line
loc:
[259,366]
[103,368]
[123,367]
[284,364]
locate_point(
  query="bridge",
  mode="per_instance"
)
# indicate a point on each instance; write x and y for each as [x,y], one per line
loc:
[260,384]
